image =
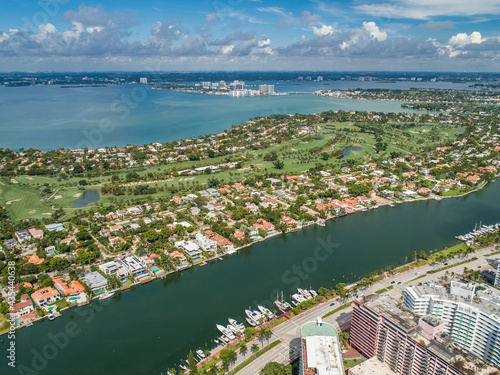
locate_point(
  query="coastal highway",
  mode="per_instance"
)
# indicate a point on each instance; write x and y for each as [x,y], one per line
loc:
[289,332]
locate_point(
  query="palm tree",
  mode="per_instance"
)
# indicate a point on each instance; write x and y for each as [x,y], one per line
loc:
[254,348]
[243,349]
[232,357]
[266,334]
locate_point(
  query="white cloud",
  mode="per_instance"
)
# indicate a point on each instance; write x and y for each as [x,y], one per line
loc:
[462,39]
[425,9]
[3,36]
[323,30]
[227,49]
[47,28]
[275,10]
[374,32]
[264,42]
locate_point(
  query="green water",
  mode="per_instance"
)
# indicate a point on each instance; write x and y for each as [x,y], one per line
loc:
[149,329]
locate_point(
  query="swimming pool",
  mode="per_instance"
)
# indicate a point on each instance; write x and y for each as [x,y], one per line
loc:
[50,308]
[155,269]
[74,298]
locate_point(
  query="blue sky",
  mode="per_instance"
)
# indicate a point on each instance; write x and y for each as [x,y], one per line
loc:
[70,35]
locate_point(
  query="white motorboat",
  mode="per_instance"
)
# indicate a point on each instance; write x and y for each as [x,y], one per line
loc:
[298,298]
[240,327]
[266,312]
[106,295]
[305,293]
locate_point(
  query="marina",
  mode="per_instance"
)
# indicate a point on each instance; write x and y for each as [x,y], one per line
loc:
[107,322]
[479,230]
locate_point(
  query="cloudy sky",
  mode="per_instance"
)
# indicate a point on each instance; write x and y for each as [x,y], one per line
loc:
[70,35]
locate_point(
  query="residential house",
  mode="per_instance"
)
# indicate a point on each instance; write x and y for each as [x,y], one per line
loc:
[45,296]
[208,245]
[135,267]
[95,281]
[22,308]
[114,269]
[36,233]
[189,247]
[74,287]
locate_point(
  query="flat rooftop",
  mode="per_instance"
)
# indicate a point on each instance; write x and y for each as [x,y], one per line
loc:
[392,310]
[487,301]
[322,349]
[371,366]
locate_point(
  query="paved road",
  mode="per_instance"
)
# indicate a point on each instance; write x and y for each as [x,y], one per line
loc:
[289,332]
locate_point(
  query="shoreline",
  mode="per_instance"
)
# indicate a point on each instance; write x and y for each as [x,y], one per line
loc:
[220,256]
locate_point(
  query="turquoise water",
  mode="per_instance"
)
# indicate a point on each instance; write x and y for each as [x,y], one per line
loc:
[90,196]
[149,328]
[74,298]
[48,117]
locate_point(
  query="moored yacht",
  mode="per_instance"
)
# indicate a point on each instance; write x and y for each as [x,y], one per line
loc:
[305,293]
[237,325]
[266,312]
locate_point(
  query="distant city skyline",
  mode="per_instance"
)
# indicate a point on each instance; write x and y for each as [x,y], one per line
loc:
[315,35]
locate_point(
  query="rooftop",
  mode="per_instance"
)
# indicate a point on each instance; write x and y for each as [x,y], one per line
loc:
[322,348]
[392,310]
[371,366]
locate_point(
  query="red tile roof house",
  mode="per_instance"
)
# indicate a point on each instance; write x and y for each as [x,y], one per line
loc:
[424,190]
[221,241]
[474,179]
[22,308]
[34,259]
[265,225]
[238,234]
[74,287]
[45,296]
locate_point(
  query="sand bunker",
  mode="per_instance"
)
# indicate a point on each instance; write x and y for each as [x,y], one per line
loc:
[32,212]
[15,200]
[58,197]
[46,214]
[77,195]
[29,178]
[12,181]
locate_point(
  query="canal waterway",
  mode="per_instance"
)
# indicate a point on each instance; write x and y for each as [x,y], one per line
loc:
[150,328]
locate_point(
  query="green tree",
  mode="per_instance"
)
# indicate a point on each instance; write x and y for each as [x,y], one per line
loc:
[243,349]
[279,164]
[254,348]
[193,369]
[275,368]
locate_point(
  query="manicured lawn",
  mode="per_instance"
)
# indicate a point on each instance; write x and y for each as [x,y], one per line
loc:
[448,251]
[23,202]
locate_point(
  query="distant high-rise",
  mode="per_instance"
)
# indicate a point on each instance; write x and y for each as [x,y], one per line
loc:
[320,349]
[382,327]
[266,89]
[143,80]
[470,317]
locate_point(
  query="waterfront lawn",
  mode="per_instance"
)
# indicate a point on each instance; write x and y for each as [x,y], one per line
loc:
[23,202]
[448,252]
[453,192]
